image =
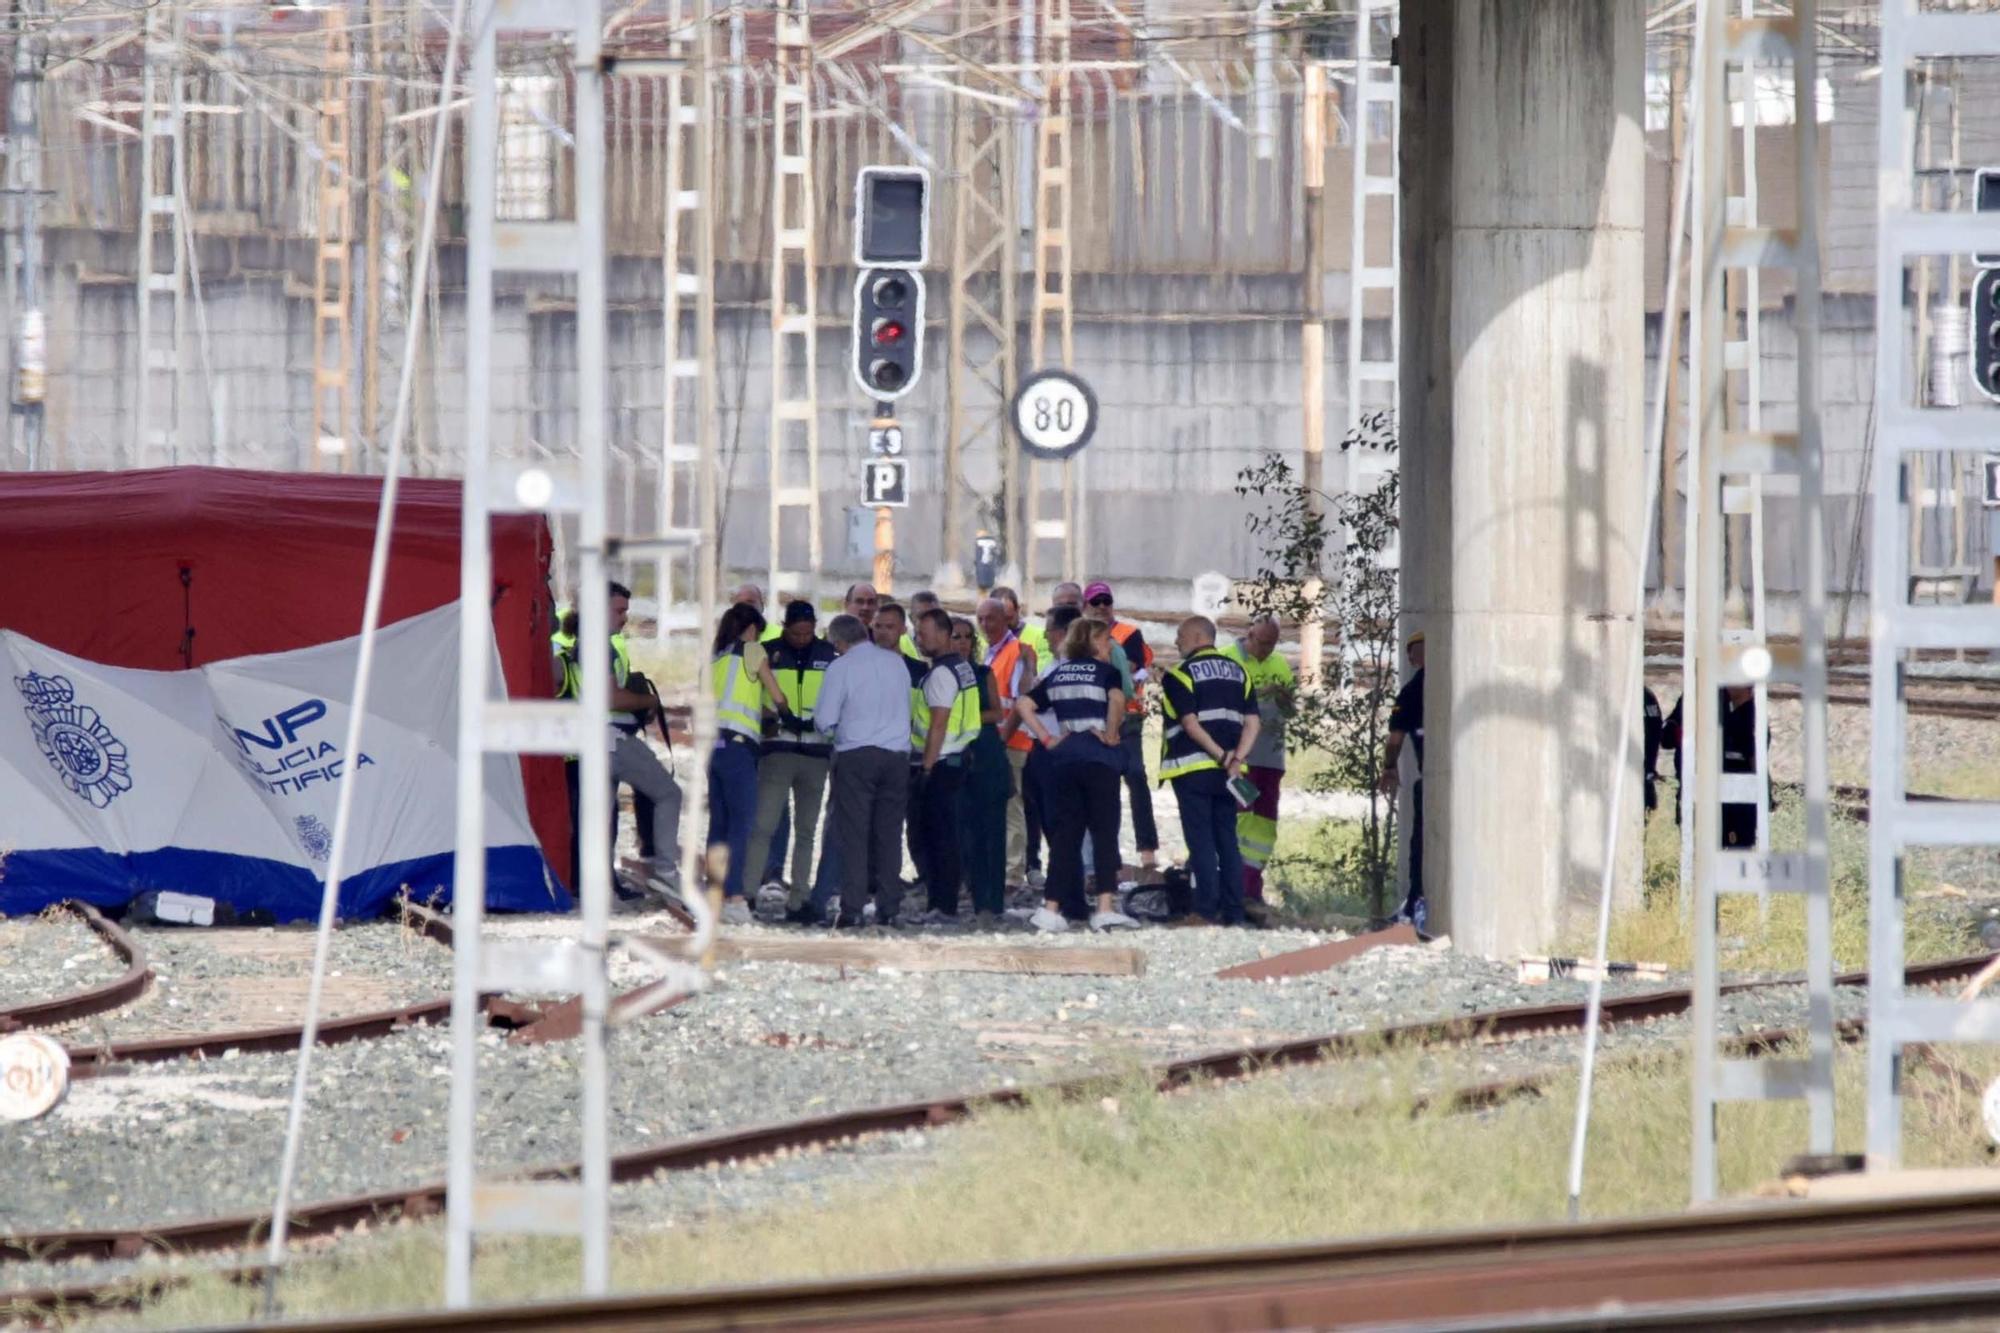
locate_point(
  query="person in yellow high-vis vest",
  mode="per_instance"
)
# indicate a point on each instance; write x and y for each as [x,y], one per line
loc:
[1274,686]
[656,796]
[1211,723]
[950,699]
[740,677]
[792,772]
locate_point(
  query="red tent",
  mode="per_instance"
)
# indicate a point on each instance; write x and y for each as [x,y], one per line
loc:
[171,568]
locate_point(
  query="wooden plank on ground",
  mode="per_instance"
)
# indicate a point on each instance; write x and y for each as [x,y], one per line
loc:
[1304,962]
[934,956]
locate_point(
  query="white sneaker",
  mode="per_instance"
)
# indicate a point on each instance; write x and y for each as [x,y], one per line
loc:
[1112,921]
[868,913]
[1049,923]
[735,912]
[663,877]
[1037,880]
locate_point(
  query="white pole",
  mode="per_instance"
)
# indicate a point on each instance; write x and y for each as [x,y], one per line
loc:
[371,617]
[1656,431]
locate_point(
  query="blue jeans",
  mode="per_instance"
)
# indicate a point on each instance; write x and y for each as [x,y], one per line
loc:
[1208,821]
[732,806]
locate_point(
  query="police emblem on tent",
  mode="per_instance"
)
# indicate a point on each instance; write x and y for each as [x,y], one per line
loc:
[314,837]
[73,738]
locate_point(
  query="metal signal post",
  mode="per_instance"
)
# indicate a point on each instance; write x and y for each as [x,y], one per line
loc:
[883,429]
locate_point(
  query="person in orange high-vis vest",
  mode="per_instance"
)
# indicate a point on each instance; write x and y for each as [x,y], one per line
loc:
[1098,605]
[1014,670]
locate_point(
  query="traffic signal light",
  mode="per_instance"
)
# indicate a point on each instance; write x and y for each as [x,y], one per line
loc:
[1986,332]
[892,217]
[888,332]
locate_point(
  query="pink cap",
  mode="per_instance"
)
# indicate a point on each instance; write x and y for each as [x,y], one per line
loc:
[1097,589]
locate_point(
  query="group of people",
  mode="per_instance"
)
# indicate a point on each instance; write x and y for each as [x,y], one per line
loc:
[973,741]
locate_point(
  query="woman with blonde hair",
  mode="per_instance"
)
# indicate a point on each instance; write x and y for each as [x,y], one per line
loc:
[1075,711]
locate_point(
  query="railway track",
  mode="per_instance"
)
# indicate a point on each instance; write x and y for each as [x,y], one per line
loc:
[1923,1261]
[759,1141]
[94,1000]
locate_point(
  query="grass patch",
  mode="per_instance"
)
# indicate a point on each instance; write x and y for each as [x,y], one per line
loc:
[1273,1161]
[1978,782]
[1309,879]
[1659,932]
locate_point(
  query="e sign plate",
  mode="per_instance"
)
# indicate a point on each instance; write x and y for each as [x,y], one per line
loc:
[1054,413]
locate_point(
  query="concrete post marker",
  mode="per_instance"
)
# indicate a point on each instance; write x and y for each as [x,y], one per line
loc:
[34,1075]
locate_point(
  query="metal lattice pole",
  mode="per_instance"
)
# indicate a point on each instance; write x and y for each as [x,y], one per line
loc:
[981,329]
[1053,282]
[1744,355]
[1896,627]
[1726,463]
[493,726]
[28,337]
[156,417]
[332,287]
[1376,208]
[794,303]
[687,458]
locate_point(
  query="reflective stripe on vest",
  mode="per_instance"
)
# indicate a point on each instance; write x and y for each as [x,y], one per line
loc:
[800,673]
[961,727]
[920,712]
[739,698]
[1122,633]
[1256,838]
[1003,666]
[571,684]
[1220,696]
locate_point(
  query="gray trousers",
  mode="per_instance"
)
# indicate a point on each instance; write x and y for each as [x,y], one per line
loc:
[634,764]
[788,776]
[870,796]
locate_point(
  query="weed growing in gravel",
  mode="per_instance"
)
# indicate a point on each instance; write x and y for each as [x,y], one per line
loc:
[1305,878]
[1321,1154]
[1660,933]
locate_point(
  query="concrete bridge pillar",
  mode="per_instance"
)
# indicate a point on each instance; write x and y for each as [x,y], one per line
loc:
[1522,405]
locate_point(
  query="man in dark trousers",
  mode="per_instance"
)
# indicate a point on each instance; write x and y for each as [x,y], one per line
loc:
[864,703]
[951,703]
[1655,729]
[1406,721]
[1738,706]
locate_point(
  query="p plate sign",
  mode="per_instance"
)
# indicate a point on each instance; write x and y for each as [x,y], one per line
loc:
[1054,413]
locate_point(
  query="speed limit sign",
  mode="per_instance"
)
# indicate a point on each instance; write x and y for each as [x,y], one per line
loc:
[1054,413]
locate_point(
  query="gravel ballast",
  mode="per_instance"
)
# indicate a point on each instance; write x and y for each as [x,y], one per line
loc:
[770,1041]
[805,1178]
[244,977]
[49,956]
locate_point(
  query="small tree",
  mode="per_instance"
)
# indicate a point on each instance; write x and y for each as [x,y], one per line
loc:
[1322,560]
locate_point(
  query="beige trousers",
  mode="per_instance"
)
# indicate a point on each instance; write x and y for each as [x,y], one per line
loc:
[1017,820]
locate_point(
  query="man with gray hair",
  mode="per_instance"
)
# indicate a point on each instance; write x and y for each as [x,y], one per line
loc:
[864,703]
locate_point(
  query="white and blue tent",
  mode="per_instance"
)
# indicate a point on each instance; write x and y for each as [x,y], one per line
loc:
[221,781]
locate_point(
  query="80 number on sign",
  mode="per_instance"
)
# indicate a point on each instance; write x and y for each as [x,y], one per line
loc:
[1055,414]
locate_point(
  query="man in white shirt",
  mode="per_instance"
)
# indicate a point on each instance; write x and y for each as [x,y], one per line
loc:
[864,703]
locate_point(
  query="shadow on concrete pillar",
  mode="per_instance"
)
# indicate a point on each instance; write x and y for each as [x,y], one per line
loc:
[1522,400]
